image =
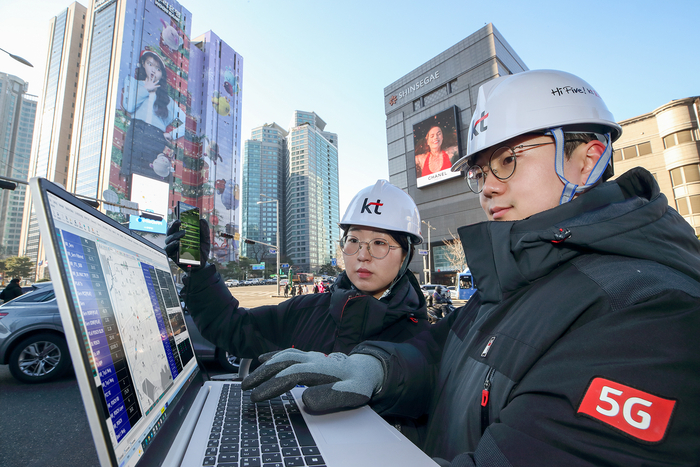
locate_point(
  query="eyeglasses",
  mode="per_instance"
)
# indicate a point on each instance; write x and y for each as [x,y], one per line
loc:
[501,164]
[377,248]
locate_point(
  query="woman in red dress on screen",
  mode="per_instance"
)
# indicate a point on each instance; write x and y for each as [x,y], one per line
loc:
[436,159]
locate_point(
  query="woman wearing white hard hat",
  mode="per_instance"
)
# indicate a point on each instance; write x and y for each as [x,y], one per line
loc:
[375,298]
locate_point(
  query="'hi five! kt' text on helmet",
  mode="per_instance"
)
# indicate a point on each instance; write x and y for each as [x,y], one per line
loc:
[384,206]
[540,101]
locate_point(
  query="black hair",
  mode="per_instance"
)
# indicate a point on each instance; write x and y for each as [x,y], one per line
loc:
[160,106]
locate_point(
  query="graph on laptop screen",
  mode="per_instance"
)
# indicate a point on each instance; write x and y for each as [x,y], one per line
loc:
[131,322]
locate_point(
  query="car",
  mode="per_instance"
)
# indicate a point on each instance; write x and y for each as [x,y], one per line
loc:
[33,344]
[232,283]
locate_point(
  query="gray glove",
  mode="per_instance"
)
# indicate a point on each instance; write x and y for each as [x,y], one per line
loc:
[336,381]
[172,244]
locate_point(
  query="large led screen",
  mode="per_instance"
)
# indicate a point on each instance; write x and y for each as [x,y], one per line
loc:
[437,146]
[152,196]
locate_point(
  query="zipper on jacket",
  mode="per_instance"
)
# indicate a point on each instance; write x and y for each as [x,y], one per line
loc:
[485,400]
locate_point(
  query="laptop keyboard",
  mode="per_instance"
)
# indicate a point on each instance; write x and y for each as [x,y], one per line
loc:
[259,434]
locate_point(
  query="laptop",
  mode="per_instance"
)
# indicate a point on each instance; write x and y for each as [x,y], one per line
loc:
[146,399]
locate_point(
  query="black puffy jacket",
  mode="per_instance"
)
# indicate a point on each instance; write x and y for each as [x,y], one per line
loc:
[328,322]
[581,348]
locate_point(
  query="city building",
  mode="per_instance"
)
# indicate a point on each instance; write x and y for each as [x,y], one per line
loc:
[265,157]
[312,203]
[17,114]
[51,147]
[440,96]
[156,119]
[665,141]
[298,167]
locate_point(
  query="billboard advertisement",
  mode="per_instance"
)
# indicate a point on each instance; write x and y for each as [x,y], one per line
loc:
[175,127]
[436,146]
[151,196]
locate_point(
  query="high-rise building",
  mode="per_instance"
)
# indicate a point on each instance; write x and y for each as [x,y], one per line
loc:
[17,114]
[265,157]
[312,193]
[157,119]
[665,142]
[440,96]
[51,147]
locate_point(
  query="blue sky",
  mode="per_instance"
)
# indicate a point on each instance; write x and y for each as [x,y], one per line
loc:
[336,57]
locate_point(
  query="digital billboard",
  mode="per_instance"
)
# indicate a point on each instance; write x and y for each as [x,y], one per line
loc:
[176,127]
[152,196]
[436,146]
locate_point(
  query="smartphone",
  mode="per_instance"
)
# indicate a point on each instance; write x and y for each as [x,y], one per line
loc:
[189,244]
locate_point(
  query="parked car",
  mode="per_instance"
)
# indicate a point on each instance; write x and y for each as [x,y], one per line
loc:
[231,283]
[33,344]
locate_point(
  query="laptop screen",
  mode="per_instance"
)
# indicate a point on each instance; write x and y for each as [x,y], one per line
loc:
[131,331]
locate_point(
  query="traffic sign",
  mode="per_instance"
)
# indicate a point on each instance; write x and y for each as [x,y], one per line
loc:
[258,267]
[423,252]
[284,265]
[334,262]
[272,251]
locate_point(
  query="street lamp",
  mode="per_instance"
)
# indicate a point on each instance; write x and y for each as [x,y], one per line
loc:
[430,264]
[18,58]
[277,212]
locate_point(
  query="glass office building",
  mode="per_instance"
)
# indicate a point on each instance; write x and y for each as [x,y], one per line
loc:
[52,143]
[311,192]
[17,114]
[265,156]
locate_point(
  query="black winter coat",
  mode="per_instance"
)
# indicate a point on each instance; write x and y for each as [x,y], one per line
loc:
[328,322]
[581,348]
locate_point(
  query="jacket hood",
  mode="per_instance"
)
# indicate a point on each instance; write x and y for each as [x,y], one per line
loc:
[627,217]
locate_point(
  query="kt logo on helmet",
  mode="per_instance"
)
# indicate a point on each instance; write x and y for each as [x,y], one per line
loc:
[366,205]
[481,123]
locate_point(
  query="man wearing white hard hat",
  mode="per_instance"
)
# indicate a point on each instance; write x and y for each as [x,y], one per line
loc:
[581,346]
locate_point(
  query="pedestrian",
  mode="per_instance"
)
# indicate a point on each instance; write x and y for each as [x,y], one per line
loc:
[294,290]
[580,347]
[377,297]
[12,291]
[315,288]
[286,290]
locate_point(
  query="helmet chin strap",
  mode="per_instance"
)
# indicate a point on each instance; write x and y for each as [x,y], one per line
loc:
[570,190]
[402,270]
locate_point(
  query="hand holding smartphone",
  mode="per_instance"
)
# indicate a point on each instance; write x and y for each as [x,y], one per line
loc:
[189,251]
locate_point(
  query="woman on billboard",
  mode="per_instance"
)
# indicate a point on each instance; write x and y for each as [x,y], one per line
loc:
[436,159]
[145,98]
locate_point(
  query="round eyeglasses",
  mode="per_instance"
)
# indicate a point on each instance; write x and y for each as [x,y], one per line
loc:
[377,248]
[501,164]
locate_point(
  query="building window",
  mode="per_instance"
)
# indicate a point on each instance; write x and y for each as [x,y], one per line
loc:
[644,149]
[686,174]
[684,136]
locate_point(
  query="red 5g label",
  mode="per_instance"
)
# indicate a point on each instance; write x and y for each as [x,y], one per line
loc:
[637,413]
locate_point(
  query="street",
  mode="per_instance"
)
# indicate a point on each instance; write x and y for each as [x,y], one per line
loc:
[45,424]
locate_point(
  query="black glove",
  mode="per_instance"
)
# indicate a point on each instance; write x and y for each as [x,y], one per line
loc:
[339,381]
[172,244]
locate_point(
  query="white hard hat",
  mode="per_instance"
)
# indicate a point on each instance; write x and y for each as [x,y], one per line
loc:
[384,206]
[546,101]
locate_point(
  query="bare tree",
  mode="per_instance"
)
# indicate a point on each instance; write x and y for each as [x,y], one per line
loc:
[455,253]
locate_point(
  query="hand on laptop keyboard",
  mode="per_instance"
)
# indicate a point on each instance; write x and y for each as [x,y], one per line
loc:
[335,381]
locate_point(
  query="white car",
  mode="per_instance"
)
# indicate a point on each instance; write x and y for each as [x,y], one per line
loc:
[231,283]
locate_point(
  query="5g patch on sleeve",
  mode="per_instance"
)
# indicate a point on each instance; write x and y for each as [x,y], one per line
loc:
[636,413]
